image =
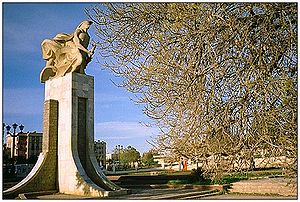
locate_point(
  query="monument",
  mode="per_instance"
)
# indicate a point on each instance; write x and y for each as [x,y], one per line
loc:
[67,163]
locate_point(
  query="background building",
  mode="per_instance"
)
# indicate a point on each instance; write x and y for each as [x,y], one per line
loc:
[100,152]
[27,145]
[108,157]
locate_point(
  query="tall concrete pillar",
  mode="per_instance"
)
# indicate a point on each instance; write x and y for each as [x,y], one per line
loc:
[77,171]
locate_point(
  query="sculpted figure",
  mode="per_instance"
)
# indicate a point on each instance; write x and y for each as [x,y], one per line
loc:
[67,52]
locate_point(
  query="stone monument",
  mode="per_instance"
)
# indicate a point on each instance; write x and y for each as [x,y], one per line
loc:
[67,163]
[67,53]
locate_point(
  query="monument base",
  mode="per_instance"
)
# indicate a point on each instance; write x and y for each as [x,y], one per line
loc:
[68,143]
[43,176]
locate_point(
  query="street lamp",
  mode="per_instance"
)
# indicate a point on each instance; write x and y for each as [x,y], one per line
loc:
[3,133]
[119,147]
[118,152]
[14,135]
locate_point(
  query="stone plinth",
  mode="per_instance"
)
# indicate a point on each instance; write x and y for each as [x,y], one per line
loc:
[78,172]
[43,176]
[68,158]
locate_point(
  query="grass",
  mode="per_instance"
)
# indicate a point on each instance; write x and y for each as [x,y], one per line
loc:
[167,173]
[231,177]
[228,178]
[257,173]
[176,182]
[235,177]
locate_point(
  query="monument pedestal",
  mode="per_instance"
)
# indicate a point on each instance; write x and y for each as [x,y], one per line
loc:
[77,170]
[43,176]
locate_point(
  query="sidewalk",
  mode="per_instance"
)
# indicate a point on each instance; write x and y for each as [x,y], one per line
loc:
[280,186]
[249,197]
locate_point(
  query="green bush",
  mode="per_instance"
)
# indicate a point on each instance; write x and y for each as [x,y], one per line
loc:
[175,182]
[198,177]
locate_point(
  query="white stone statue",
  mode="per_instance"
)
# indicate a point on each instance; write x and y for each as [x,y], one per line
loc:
[67,52]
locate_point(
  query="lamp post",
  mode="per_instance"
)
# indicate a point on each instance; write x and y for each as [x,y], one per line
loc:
[119,147]
[3,133]
[14,135]
[118,152]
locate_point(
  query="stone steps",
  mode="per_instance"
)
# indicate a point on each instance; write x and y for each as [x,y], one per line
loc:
[189,194]
[200,196]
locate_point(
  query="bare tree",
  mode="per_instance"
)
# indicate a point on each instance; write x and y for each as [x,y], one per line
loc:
[218,79]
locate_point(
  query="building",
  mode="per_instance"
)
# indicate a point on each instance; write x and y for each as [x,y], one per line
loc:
[27,145]
[108,157]
[161,160]
[100,152]
[34,144]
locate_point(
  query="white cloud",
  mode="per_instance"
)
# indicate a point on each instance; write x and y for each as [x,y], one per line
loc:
[117,137]
[108,98]
[123,130]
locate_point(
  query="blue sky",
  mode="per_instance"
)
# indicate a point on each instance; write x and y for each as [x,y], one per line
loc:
[24,27]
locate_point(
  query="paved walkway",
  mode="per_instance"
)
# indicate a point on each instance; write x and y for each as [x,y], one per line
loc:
[249,197]
[280,186]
